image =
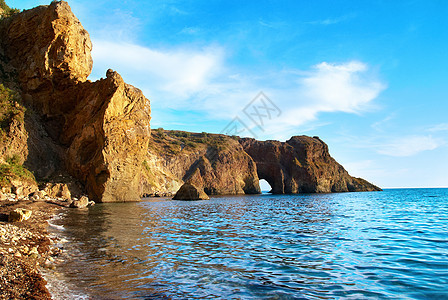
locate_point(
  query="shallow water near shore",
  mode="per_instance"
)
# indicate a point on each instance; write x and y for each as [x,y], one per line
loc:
[388,245]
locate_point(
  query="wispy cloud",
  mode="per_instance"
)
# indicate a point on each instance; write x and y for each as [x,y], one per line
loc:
[190,30]
[381,124]
[409,145]
[439,127]
[332,21]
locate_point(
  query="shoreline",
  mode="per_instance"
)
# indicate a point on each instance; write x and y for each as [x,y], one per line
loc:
[26,247]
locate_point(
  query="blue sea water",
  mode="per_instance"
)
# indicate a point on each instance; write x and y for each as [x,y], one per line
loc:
[372,245]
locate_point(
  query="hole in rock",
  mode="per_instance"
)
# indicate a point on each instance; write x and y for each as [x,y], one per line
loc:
[265,186]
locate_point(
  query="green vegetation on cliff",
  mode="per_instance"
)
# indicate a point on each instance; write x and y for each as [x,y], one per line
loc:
[172,142]
[14,170]
[12,119]
[7,11]
[10,109]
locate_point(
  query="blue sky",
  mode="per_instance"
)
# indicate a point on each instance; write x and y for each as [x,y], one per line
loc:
[370,78]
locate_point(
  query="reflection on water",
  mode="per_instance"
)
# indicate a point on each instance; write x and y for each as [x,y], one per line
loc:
[391,244]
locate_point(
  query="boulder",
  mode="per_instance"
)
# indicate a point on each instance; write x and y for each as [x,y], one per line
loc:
[190,192]
[56,190]
[23,188]
[81,203]
[19,215]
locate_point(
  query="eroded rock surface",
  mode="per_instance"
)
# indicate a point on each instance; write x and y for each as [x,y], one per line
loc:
[213,162]
[301,165]
[98,131]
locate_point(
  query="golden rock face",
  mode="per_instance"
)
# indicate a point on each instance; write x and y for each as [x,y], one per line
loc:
[301,165]
[214,163]
[48,43]
[102,127]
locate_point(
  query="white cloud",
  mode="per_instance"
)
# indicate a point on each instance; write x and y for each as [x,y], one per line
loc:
[335,87]
[409,146]
[179,72]
[346,87]
[199,80]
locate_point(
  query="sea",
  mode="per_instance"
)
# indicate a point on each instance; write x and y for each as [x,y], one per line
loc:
[369,245]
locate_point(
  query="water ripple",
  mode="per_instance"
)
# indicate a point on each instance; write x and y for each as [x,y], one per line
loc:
[386,245]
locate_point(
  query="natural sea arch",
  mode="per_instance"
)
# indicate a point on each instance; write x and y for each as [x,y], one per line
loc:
[265,186]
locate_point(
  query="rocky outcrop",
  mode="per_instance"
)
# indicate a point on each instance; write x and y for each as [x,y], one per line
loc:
[301,165]
[98,131]
[215,163]
[190,192]
[107,137]
[223,165]
[56,190]
[49,49]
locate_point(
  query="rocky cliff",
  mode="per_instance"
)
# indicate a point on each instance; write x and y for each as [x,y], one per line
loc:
[225,165]
[213,162]
[61,125]
[97,131]
[301,165]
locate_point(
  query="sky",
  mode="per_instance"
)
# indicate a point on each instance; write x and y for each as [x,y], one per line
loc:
[369,78]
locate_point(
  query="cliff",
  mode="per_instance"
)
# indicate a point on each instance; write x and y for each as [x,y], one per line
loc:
[301,165]
[225,165]
[97,132]
[216,163]
[59,125]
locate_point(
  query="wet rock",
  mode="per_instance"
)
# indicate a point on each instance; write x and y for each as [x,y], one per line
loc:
[81,203]
[19,215]
[190,192]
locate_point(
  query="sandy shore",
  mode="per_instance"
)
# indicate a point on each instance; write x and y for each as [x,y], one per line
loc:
[24,248]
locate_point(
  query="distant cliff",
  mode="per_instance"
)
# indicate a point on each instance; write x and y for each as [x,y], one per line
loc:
[97,132]
[225,165]
[216,163]
[301,165]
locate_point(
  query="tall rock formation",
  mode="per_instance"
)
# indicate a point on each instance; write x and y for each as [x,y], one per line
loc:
[102,128]
[301,165]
